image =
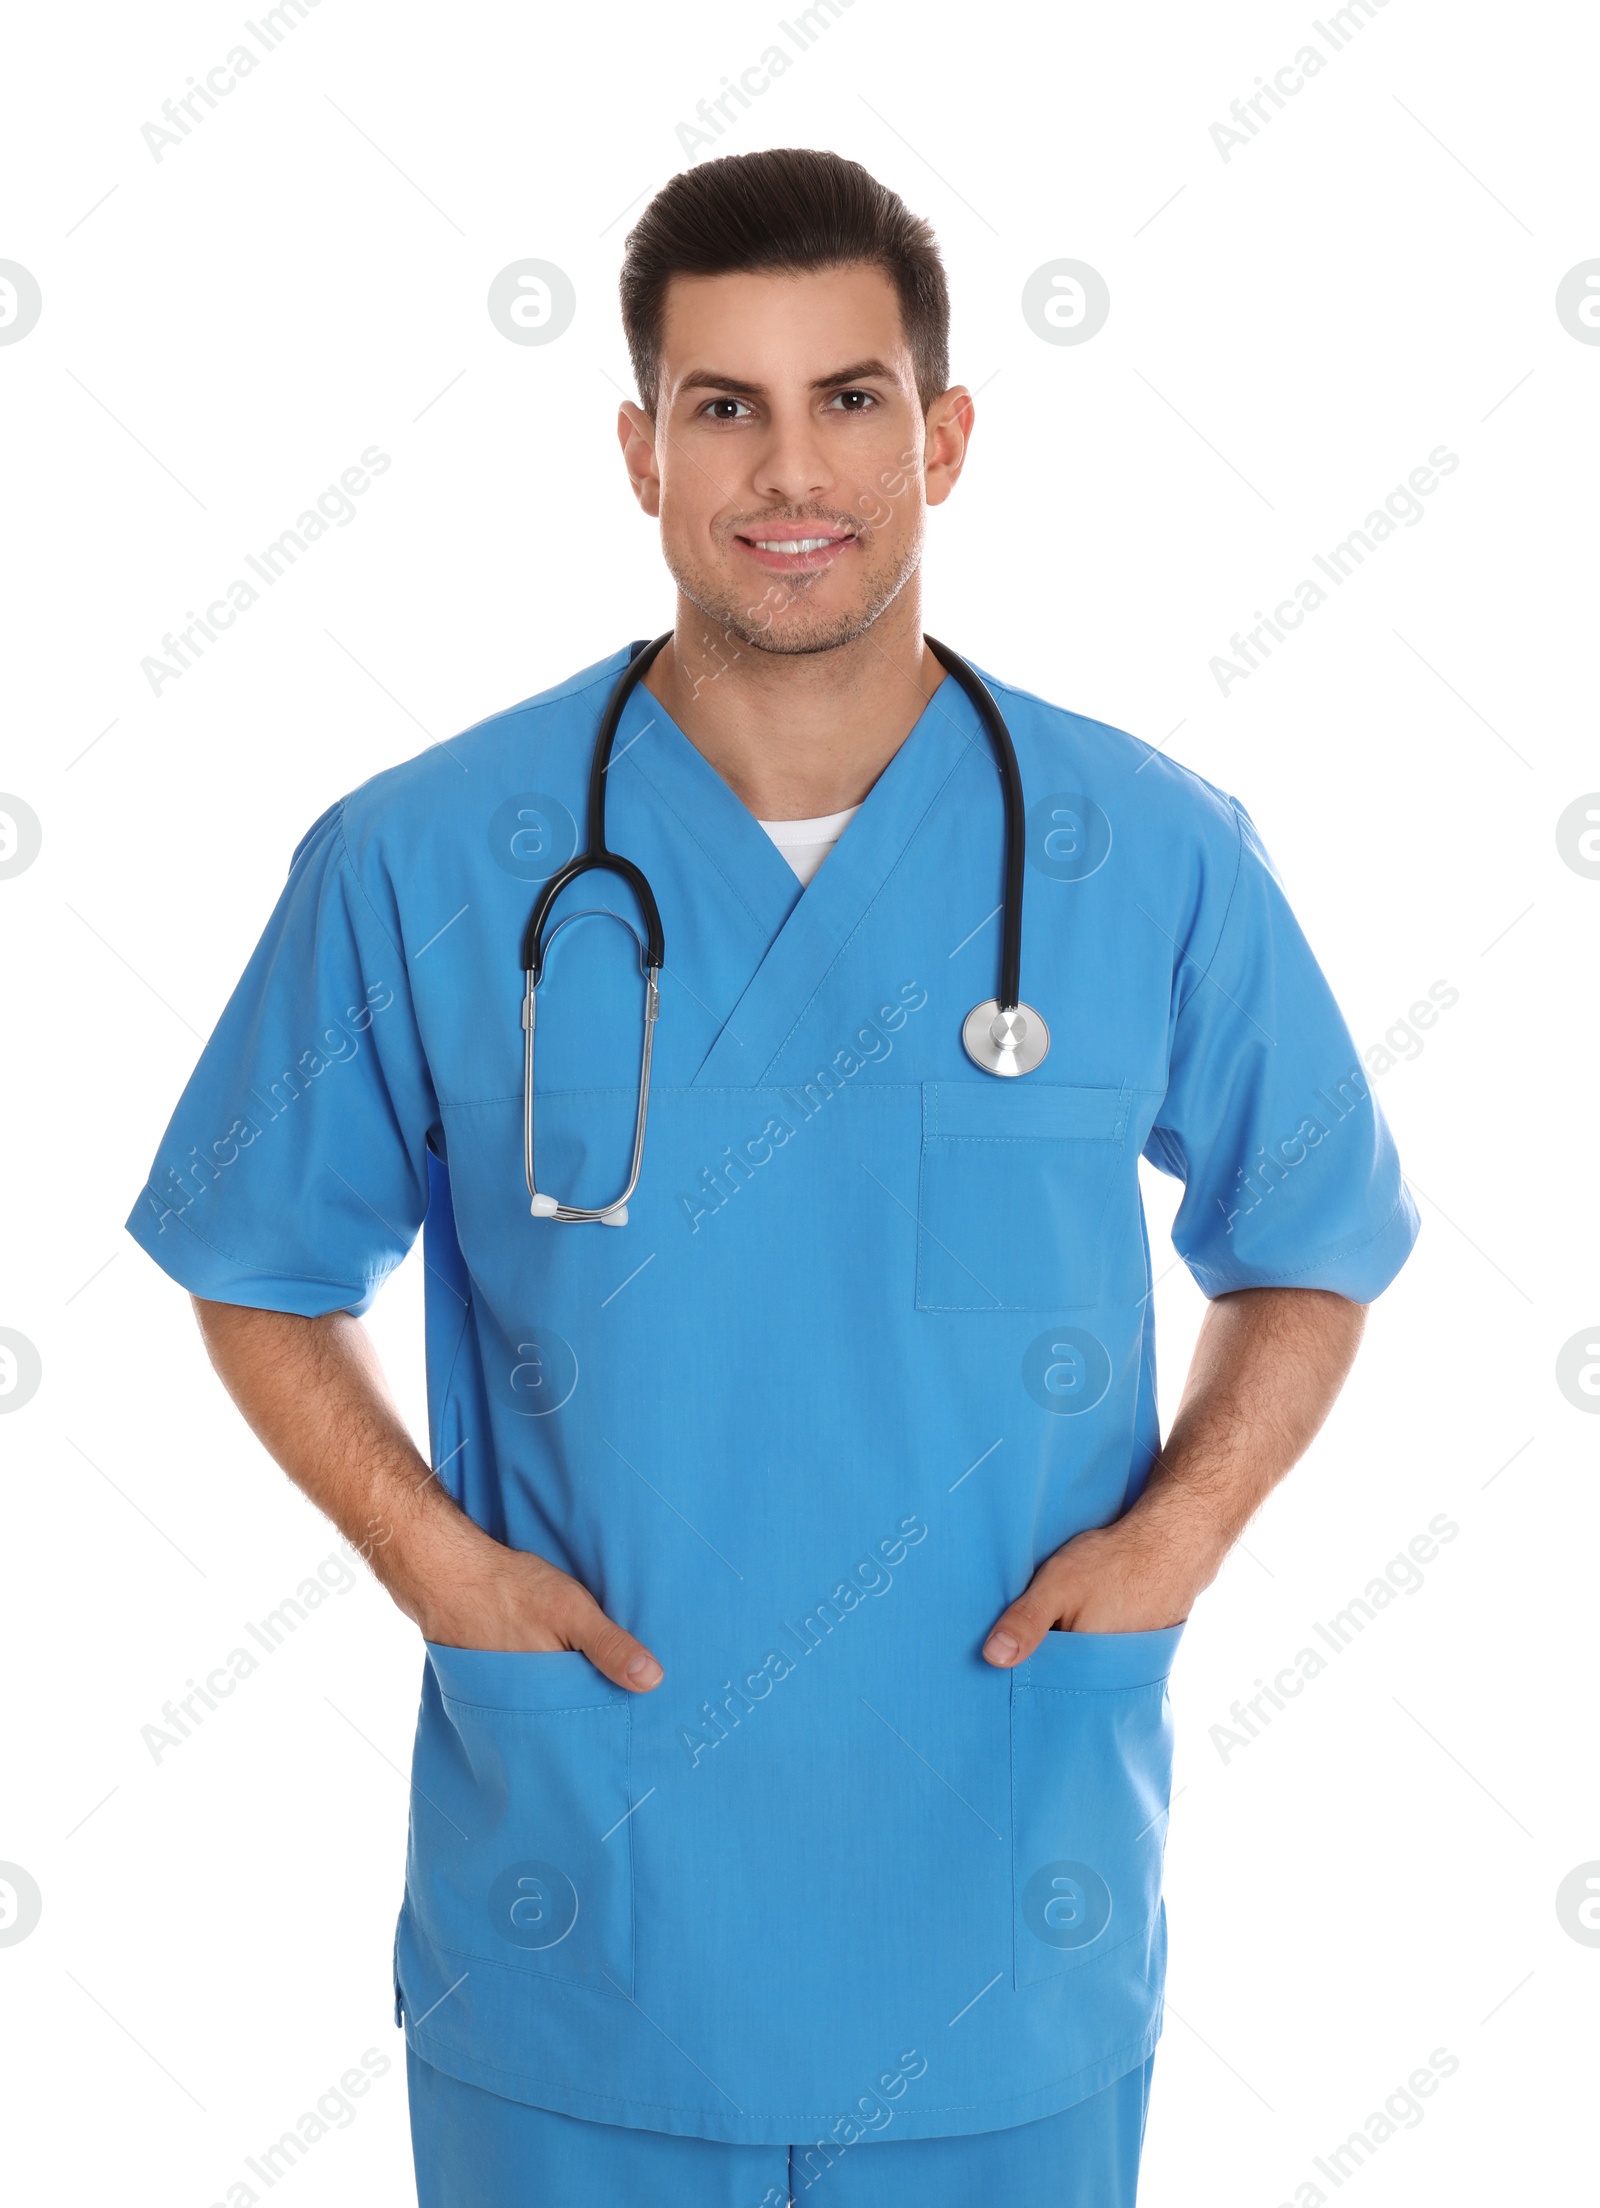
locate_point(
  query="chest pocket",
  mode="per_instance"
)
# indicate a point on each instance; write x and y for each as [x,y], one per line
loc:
[1015,1183]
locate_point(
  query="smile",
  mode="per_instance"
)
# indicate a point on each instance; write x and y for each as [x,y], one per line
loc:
[796,554]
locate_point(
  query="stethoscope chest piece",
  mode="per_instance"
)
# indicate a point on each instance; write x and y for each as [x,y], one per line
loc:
[1006,1043]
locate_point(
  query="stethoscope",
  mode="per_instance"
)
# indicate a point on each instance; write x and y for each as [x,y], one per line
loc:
[1002,1035]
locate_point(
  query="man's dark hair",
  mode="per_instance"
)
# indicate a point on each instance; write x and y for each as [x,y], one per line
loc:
[792,209]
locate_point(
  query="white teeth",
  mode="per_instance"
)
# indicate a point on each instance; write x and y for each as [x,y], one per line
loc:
[795,544]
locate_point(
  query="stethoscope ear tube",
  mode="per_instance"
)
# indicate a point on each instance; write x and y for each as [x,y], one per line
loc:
[597,859]
[534,940]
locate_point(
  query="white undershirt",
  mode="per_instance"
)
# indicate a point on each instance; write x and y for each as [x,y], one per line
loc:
[806,843]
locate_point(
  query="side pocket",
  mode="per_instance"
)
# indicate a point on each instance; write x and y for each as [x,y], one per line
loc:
[521,1847]
[1012,1193]
[1091,1777]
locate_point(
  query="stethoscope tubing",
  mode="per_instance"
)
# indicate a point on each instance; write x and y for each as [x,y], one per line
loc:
[597,857]
[1005,759]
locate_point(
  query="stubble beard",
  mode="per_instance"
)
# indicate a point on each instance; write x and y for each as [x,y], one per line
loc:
[778,622]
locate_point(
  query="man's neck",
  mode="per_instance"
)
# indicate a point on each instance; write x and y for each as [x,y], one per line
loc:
[796,735]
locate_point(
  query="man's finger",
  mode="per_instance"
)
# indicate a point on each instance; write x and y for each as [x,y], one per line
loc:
[625,1661]
[1017,1632]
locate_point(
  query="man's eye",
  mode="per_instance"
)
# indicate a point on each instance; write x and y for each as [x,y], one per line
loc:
[853,402]
[724,410]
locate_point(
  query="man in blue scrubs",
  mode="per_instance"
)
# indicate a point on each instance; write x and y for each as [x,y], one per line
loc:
[800,1567]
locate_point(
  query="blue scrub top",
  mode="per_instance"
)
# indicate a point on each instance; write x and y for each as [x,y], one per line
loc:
[876,1340]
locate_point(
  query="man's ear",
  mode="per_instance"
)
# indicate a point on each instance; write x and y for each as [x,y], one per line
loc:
[636,433]
[949,433]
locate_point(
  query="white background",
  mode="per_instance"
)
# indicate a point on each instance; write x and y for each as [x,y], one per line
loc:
[1292,331]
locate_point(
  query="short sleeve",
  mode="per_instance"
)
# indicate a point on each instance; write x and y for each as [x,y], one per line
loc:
[293,1175]
[1291,1178]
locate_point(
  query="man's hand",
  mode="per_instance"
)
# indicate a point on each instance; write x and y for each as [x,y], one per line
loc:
[1104,1581]
[514,1600]
[1266,1370]
[315,1395]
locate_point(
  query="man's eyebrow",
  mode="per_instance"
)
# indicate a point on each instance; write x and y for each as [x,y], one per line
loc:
[707,379]
[860,371]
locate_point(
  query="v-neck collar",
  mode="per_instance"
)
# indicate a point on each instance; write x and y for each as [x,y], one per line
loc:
[728,833]
[806,929]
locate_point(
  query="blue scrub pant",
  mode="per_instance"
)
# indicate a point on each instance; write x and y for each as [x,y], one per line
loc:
[475,2150]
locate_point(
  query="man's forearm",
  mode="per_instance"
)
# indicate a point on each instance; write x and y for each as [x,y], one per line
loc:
[1267,1368]
[314,1394]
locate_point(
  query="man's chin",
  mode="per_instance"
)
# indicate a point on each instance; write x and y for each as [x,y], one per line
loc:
[789,639]
[800,627]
